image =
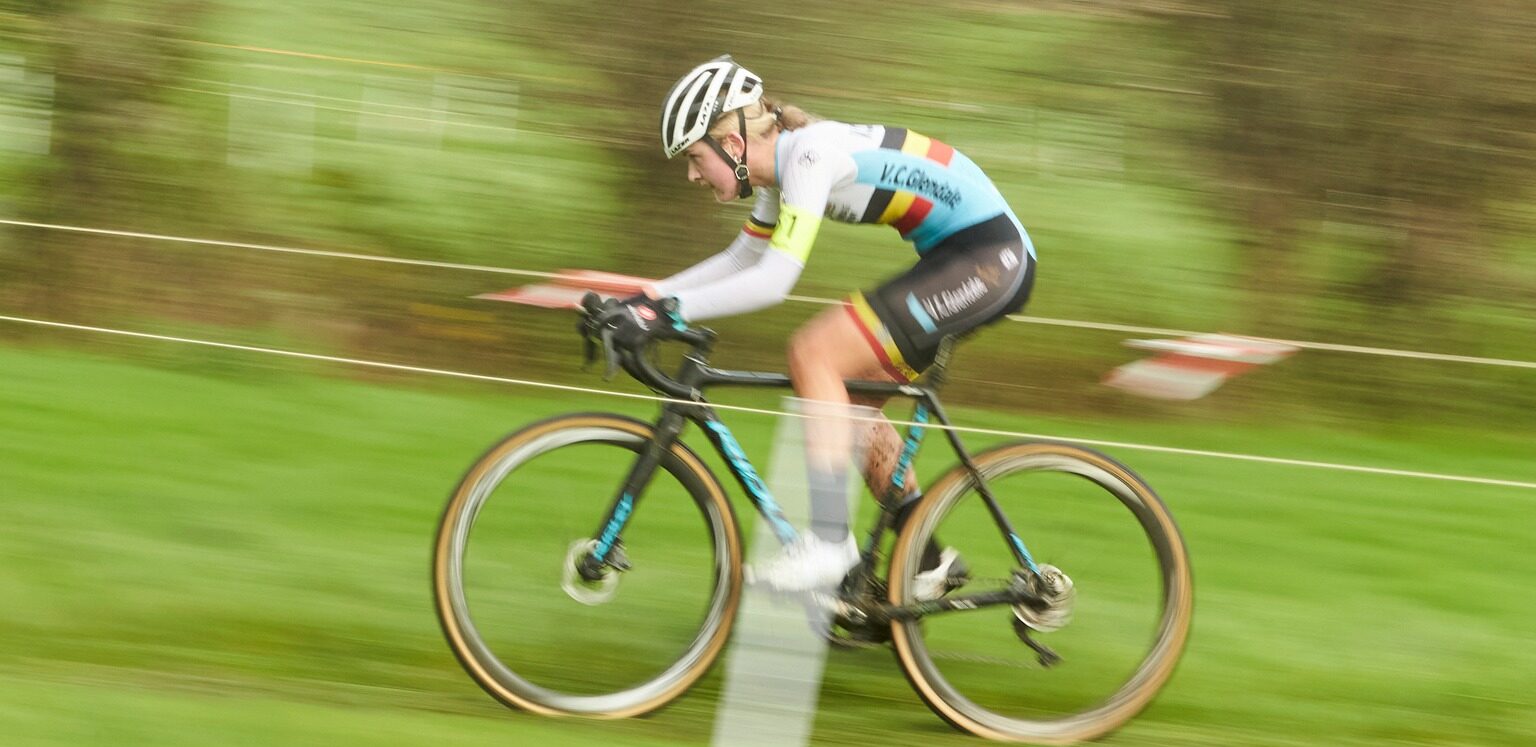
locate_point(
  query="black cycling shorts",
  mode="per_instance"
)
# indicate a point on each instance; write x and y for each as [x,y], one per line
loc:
[971,279]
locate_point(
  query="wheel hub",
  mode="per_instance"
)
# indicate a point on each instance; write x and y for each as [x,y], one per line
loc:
[590,593]
[1058,592]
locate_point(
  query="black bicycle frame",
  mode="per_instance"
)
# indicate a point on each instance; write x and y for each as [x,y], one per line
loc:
[695,376]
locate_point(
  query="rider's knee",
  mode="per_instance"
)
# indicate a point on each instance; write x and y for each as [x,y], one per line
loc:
[806,349]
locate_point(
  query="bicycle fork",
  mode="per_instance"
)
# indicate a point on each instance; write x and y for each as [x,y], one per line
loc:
[608,549]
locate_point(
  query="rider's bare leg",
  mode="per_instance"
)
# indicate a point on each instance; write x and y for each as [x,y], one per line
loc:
[882,446]
[880,442]
[822,354]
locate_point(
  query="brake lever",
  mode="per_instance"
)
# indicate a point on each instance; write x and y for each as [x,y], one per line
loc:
[591,330]
[588,348]
[612,363]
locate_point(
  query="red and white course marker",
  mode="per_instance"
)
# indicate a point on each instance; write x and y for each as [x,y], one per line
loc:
[1192,367]
[565,291]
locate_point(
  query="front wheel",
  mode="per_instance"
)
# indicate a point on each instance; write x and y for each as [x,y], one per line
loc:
[1094,528]
[521,620]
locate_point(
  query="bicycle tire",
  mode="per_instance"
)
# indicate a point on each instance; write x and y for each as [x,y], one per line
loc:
[1172,625]
[474,490]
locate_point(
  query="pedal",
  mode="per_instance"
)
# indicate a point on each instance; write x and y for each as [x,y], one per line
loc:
[927,586]
[959,575]
[845,636]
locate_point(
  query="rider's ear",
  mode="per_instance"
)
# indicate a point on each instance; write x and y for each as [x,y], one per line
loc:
[734,145]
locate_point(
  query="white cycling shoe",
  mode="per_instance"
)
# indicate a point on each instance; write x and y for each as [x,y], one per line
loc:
[810,563]
[951,573]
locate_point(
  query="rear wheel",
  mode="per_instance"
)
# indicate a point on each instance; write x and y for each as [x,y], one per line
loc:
[1130,607]
[525,626]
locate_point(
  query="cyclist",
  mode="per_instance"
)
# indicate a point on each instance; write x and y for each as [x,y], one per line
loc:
[975,264]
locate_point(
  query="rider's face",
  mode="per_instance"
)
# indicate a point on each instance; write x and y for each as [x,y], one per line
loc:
[707,169]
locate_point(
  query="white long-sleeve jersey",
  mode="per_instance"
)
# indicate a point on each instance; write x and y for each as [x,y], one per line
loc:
[849,173]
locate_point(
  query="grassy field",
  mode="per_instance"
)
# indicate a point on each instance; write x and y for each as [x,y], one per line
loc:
[204,546]
[242,558]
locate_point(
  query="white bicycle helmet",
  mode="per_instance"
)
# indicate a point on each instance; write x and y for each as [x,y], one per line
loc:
[707,91]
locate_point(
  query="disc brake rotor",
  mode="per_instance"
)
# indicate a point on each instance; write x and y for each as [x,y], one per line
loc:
[591,593]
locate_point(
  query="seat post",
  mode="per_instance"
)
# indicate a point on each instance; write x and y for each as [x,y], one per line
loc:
[939,371]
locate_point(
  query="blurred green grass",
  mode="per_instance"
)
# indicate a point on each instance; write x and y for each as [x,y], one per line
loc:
[188,557]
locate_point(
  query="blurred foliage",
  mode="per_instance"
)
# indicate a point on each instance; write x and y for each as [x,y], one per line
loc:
[1409,120]
[1357,173]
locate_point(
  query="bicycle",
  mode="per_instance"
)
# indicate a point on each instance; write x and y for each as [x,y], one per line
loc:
[955,656]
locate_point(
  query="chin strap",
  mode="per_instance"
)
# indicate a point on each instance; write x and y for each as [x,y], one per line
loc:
[743,187]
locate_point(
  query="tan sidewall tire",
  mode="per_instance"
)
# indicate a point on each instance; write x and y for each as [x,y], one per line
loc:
[1143,685]
[442,558]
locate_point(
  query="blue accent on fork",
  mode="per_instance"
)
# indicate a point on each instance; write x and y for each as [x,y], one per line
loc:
[611,532]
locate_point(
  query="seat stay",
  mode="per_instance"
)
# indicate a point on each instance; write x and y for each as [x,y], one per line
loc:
[1010,535]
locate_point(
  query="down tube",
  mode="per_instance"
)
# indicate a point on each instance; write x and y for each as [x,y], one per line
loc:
[746,474]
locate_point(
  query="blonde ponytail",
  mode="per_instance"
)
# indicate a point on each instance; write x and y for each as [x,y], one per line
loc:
[763,116]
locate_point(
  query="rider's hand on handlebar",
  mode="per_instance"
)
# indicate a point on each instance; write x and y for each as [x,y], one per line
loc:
[637,320]
[619,331]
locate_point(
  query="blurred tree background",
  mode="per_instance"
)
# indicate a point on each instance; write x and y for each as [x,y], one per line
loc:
[1358,173]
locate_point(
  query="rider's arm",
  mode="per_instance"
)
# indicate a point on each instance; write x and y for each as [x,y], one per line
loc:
[743,252]
[806,185]
[759,286]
